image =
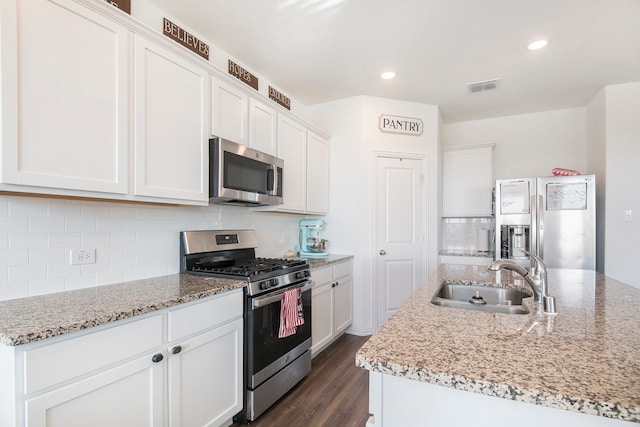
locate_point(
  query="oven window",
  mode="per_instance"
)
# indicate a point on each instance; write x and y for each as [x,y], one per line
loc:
[263,325]
[244,174]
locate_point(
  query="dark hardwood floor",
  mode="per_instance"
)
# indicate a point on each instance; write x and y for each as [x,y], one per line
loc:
[335,393]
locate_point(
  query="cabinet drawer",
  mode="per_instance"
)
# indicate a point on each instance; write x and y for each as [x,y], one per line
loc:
[322,275]
[343,269]
[51,364]
[202,315]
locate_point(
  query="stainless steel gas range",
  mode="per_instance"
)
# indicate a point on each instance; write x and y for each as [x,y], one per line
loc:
[272,365]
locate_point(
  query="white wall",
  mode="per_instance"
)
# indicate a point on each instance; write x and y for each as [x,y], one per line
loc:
[353,126]
[527,144]
[132,241]
[622,129]
[596,163]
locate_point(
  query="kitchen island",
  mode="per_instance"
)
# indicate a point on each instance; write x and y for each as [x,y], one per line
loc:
[445,366]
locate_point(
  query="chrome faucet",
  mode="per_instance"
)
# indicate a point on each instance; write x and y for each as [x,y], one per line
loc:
[537,279]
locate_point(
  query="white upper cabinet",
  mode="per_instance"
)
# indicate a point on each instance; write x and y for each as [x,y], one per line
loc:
[292,148]
[306,168]
[467,181]
[240,118]
[263,122]
[65,113]
[229,112]
[317,174]
[171,98]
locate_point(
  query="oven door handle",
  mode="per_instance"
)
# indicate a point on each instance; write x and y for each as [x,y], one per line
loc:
[270,299]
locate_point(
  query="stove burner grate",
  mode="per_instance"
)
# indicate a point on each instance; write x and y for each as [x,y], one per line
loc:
[249,267]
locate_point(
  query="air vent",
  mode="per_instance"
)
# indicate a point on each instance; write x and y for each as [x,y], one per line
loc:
[484,85]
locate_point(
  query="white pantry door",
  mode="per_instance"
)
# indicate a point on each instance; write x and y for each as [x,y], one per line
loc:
[400,227]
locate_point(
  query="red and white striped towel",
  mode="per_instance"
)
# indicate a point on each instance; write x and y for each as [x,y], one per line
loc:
[291,314]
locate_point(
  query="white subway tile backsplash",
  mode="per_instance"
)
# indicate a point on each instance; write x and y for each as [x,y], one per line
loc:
[46,256]
[14,224]
[461,234]
[27,240]
[80,225]
[92,239]
[4,241]
[131,241]
[60,209]
[14,257]
[109,225]
[46,286]
[14,290]
[46,225]
[72,283]
[20,273]
[29,208]
[109,277]
[95,211]
[4,207]
[65,240]
[62,269]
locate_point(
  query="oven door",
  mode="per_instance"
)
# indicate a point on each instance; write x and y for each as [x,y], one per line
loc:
[266,354]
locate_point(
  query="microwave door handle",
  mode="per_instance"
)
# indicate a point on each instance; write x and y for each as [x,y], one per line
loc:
[272,177]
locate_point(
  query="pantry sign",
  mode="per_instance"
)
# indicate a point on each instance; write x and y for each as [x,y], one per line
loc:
[401,125]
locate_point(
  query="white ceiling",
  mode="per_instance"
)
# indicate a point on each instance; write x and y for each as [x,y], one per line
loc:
[322,50]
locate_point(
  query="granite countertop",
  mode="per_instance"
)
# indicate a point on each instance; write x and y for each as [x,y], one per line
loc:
[328,260]
[36,318]
[584,359]
[461,252]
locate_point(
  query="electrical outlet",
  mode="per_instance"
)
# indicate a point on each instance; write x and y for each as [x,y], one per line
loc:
[82,256]
[628,215]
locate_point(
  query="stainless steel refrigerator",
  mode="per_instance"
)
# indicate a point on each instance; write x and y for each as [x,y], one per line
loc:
[553,217]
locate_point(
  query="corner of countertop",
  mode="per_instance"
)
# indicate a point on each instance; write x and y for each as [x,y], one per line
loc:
[328,260]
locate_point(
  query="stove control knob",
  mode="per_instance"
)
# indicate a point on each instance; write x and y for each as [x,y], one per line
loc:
[301,275]
[273,283]
[264,285]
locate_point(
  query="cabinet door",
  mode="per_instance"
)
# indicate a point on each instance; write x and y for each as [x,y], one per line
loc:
[64,97]
[229,112]
[262,127]
[317,174]
[342,304]
[292,142]
[128,395]
[321,316]
[205,377]
[467,181]
[171,142]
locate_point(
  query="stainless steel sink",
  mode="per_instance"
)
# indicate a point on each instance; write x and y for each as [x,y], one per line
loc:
[481,298]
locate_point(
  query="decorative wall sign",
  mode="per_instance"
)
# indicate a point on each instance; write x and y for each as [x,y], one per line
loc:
[123,5]
[402,125]
[279,98]
[182,37]
[243,75]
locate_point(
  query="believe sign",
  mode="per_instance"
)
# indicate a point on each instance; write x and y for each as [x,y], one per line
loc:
[397,124]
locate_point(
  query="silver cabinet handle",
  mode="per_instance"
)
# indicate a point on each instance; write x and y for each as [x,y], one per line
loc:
[383,252]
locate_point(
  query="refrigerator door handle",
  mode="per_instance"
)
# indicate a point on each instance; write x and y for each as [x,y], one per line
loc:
[533,235]
[541,226]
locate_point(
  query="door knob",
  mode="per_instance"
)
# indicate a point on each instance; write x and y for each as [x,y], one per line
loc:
[383,252]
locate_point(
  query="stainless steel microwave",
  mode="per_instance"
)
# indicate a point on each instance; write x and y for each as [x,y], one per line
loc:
[243,176]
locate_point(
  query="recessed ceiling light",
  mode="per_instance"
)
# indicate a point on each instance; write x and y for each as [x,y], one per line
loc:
[387,75]
[537,44]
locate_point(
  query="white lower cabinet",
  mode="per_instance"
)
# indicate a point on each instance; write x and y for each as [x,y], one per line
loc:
[136,387]
[331,299]
[179,367]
